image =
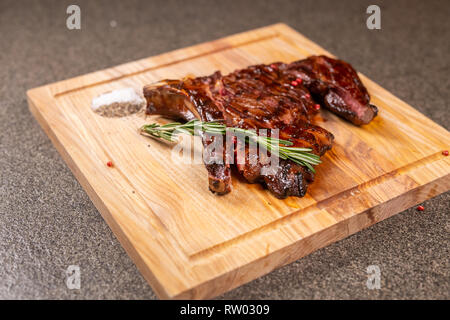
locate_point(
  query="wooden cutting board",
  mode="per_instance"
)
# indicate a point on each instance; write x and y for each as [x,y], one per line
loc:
[189,243]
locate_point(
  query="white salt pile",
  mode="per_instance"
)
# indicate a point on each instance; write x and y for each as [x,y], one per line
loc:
[118,103]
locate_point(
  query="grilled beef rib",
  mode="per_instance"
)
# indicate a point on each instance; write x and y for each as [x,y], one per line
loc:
[261,97]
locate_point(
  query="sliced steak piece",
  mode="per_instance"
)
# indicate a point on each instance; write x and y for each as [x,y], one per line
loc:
[285,179]
[336,85]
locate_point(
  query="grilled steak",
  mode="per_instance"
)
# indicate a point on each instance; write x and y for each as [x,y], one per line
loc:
[336,85]
[251,99]
[258,97]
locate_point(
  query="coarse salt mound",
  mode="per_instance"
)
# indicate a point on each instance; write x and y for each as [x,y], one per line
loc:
[118,103]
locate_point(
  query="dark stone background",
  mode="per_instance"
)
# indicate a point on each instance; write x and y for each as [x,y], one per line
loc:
[47,222]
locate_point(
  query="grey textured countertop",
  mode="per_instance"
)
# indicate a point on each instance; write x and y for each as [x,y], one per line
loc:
[47,221]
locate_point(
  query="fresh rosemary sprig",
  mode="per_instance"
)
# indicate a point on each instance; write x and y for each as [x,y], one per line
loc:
[280,147]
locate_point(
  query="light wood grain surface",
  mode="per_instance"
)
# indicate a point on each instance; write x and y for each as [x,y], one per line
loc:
[189,243]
